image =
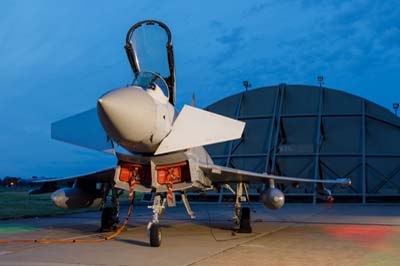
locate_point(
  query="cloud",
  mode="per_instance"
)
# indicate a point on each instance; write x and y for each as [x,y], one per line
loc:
[321,36]
[231,43]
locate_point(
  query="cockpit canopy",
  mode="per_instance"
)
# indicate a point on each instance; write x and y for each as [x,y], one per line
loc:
[149,49]
[149,81]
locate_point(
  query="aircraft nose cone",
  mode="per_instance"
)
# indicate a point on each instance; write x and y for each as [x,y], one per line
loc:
[128,116]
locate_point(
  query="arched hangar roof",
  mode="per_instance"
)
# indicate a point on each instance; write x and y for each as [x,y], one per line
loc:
[314,132]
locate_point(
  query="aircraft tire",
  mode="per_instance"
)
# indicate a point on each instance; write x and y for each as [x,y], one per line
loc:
[109,219]
[245,226]
[155,235]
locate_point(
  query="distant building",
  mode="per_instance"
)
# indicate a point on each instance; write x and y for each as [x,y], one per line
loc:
[9,181]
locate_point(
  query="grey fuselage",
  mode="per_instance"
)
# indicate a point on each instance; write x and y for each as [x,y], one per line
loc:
[139,118]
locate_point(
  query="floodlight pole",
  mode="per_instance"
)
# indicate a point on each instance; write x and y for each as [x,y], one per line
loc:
[320,80]
[246,84]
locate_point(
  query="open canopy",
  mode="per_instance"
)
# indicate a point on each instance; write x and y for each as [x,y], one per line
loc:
[149,49]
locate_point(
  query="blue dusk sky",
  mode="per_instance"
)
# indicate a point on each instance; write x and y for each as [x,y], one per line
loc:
[58,57]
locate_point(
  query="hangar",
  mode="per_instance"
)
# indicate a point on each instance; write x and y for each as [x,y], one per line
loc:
[314,132]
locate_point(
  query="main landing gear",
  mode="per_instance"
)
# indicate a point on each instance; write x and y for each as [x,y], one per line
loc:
[110,215]
[245,226]
[109,219]
[241,215]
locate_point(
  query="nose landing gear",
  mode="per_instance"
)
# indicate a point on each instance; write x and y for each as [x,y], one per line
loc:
[154,232]
[153,228]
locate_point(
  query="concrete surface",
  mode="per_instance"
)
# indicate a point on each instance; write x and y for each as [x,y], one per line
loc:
[298,234]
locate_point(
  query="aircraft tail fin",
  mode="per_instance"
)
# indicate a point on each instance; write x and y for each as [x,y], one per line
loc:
[83,129]
[195,127]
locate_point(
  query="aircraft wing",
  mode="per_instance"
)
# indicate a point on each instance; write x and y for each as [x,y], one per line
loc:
[221,174]
[99,176]
[83,129]
[50,184]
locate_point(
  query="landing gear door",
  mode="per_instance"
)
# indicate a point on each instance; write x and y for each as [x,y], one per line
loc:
[149,48]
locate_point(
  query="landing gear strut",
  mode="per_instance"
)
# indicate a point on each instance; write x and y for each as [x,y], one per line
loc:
[153,228]
[241,215]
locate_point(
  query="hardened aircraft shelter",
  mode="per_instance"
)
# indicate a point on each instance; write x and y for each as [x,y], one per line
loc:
[315,132]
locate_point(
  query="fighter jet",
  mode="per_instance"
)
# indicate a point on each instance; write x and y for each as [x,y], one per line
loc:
[159,149]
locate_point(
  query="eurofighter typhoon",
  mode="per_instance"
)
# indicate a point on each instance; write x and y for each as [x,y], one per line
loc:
[162,149]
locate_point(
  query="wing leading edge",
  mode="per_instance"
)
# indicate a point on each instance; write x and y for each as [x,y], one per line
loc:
[48,185]
[99,176]
[221,174]
[196,127]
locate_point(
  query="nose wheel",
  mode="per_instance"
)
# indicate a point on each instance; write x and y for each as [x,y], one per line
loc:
[155,234]
[153,228]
